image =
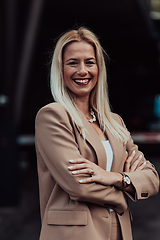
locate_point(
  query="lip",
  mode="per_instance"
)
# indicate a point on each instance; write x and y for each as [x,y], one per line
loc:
[82,81]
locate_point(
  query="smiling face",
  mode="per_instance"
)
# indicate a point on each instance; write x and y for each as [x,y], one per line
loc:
[80,70]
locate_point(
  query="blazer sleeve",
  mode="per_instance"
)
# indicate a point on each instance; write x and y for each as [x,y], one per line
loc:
[55,142]
[145,182]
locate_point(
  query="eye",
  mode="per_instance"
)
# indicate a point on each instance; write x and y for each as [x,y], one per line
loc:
[73,63]
[90,62]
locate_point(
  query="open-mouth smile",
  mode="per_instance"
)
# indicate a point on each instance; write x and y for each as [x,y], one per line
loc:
[82,81]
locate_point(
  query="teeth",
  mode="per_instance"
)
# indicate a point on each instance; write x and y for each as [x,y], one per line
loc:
[82,81]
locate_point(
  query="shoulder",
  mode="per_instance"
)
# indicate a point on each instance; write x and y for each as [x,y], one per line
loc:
[52,111]
[52,107]
[118,118]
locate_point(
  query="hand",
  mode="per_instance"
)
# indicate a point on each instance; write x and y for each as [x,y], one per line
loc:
[134,167]
[95,173]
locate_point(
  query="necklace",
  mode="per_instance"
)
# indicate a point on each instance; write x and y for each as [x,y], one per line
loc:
[93,119]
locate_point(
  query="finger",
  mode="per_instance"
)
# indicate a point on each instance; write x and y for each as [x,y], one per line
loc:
[78,166]
[78,160]
[141,167]
[128,162]
[84,171]
[126,166]
[126,155]
[87,180]
[130,158]
[135,164]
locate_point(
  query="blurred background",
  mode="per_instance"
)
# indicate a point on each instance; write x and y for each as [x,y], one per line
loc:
[129,31]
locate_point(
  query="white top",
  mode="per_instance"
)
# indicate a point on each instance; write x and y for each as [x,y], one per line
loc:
[109,153]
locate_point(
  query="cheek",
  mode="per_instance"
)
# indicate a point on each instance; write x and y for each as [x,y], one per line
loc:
[96,73]
[67,74]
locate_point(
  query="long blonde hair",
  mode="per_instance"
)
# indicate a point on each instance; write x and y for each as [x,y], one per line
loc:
[99,96]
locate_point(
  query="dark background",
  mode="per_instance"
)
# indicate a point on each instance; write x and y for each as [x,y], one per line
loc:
[28,31]
[126,31]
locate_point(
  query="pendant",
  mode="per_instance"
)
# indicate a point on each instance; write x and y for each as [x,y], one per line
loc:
[94,117]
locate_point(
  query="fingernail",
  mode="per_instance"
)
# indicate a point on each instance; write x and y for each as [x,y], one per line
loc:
[71,160]
[144,163]
[140,156]
[133,152]
[74,172]
[126,152]
[80,181]
[70,167]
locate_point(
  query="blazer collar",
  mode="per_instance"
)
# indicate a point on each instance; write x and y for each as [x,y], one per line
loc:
[93,139]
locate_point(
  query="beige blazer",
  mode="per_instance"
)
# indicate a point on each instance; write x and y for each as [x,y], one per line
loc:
[74,211]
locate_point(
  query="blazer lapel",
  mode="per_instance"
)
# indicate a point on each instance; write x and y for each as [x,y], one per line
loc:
[93,139]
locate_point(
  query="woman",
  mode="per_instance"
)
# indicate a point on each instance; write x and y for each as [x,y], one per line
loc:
[87,161]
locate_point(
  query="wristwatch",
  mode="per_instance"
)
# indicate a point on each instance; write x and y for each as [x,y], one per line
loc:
[125,180]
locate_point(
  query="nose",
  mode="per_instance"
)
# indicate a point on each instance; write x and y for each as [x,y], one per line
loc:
[82,69]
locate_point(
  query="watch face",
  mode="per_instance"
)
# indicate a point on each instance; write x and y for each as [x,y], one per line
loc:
[127,180]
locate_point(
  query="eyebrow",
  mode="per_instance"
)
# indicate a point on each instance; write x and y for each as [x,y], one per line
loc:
[75,59]
[92,58]
[71,59]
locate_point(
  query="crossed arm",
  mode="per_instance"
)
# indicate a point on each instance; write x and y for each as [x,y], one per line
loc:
[54,133]
[144,178]
[84,166]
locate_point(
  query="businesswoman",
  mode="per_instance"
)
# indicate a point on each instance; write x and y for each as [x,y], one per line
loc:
[87,162]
